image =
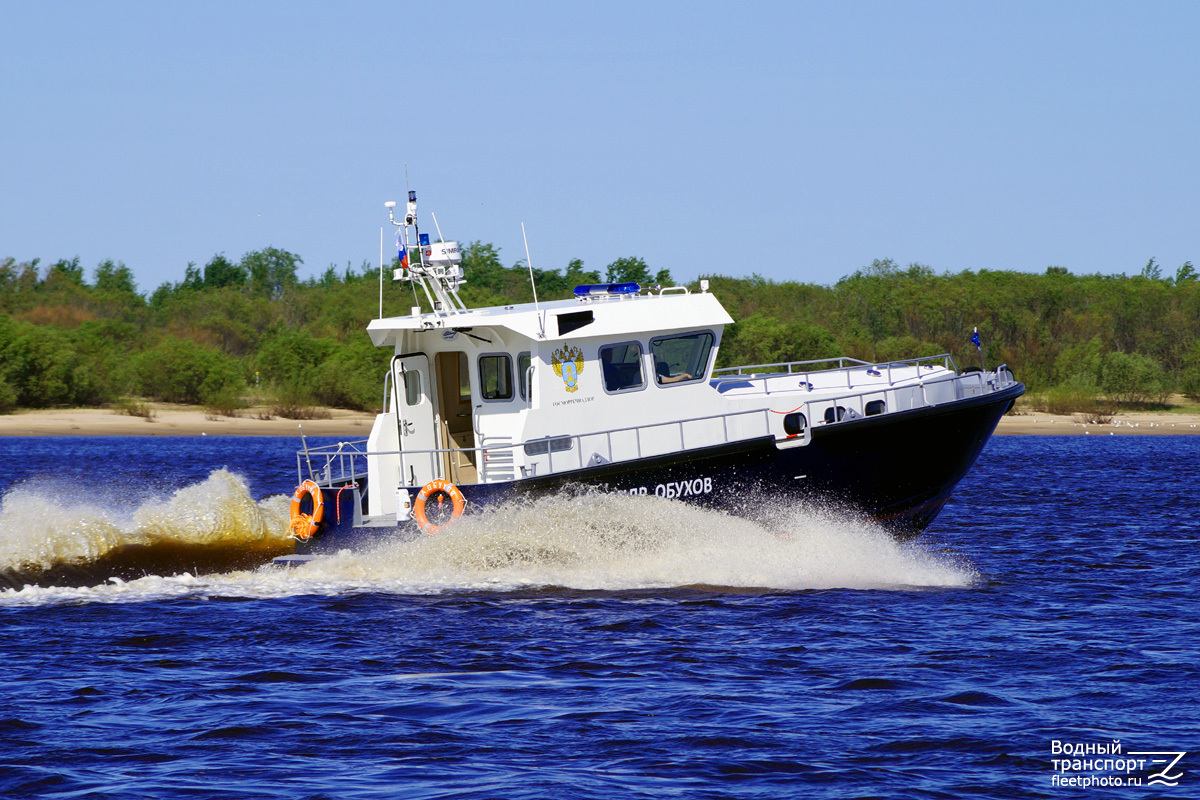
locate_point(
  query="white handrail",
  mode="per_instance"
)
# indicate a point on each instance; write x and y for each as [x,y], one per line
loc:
[351,452]
[998,380]
[340,452]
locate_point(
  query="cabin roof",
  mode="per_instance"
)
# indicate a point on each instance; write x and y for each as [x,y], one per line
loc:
[560,320]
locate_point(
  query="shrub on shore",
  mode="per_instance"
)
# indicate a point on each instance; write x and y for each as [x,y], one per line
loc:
[134,407]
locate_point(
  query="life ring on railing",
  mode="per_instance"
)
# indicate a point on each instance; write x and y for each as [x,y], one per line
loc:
[305,526]
[442,489]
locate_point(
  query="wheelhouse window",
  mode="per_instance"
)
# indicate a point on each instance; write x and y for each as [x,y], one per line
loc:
[524,362]
[681,359]
[621,365]
[495,377]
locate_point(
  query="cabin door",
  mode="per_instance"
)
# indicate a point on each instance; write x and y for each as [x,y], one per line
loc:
[457,416]
[416,422]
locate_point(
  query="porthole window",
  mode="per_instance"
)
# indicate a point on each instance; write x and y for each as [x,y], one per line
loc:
[794,424]
[835,415]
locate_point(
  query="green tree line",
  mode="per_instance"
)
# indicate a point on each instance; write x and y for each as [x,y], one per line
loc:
[1132,339]
[250,327]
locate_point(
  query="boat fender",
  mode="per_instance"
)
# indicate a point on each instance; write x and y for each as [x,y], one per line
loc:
[304,526]
[403,506]
[431,488]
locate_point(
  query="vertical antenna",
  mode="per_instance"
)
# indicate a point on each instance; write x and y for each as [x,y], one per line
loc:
[529,263]
[411,208]
[390,205]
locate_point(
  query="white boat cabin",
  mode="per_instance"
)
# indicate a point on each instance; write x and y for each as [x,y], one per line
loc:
[498,394]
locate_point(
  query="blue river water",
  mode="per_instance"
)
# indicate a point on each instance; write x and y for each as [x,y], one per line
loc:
[1041,639]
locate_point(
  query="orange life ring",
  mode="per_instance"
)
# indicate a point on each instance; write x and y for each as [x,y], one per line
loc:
[305,526]
[446,487]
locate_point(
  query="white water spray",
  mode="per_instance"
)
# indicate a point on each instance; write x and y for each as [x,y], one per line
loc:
[44,529]
[591,542]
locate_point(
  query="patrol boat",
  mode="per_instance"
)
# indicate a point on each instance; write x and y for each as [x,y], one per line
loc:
[615,390]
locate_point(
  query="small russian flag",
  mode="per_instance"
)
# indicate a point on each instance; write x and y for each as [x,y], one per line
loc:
[401,252]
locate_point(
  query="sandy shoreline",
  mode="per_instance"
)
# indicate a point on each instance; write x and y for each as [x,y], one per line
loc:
[170,420]
[1037,423]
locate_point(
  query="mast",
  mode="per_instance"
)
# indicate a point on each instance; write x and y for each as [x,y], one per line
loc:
[438,268]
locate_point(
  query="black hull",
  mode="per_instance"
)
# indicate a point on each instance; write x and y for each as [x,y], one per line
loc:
[897,468]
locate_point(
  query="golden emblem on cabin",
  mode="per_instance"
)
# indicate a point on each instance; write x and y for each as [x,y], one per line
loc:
[568,363]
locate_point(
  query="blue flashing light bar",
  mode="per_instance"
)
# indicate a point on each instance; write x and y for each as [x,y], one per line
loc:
[594,289]
[424,239]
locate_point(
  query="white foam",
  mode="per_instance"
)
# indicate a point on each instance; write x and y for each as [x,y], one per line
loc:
[43,527]
[595,542]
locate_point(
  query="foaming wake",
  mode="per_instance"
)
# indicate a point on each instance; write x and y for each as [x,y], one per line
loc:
[212,526]
[590,542]
[615,542]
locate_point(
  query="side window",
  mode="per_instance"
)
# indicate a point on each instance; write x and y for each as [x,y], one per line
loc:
[524,362]
[681,359]
[621,365]
[495,377]
[412,387]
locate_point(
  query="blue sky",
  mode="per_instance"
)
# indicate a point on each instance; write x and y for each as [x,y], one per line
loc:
[795,140]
